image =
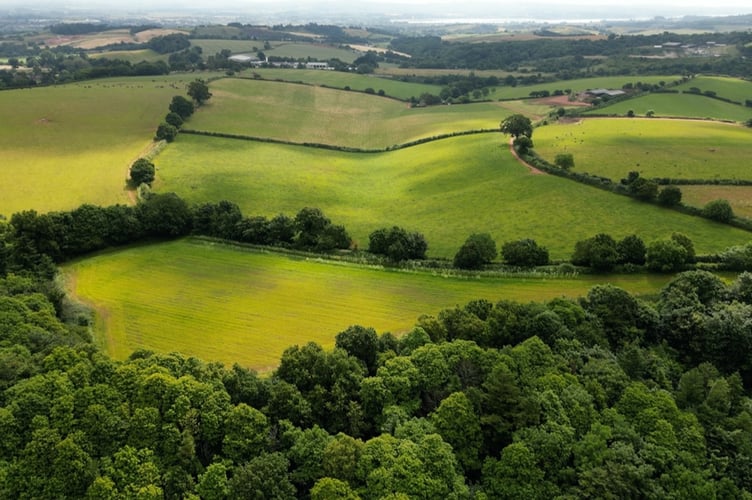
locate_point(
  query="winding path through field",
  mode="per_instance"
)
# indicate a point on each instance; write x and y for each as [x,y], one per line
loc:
[532,169]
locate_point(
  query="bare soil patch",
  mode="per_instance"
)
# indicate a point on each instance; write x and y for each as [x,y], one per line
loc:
[533,170]
[560,100]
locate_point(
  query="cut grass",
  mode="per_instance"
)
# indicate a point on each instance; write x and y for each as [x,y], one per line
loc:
[655,148]
[132,56]
[71,144]
[678,105]
[219,303]
[445,189]
[304,113]
[340,80]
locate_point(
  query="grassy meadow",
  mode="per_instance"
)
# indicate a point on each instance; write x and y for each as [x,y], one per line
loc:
[445,189]
[65,145]
[730,88]
[132,56]
[304,113]
[338,79]
[679,105]
[579,85]
[612,147]
[224,304]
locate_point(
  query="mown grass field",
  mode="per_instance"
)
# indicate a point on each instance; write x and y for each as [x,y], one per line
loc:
[338,79]
[679,105]
[445,189]
[223,304]
[740,197]
[65,145]
[304,113]
[612,147]
[132,56]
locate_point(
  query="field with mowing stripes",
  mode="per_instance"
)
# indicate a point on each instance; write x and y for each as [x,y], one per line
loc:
[340,80]
[224,304]
[445,189]
[304,113]
[612,147]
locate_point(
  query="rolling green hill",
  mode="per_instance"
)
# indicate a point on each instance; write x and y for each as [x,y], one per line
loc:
[689,149]
[304,113]
[446,189]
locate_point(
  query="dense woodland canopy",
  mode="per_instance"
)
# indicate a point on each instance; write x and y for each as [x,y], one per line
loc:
[608,396]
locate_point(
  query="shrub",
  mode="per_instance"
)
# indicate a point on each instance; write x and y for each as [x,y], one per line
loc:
[670,196]
[397,244]
[666,256]
[718,210]
[599,252]
[477,251]
[524,253]
[631,250]
[564,160]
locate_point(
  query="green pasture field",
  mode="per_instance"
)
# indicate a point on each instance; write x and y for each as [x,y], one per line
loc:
[679,105]
[740,197]
[445,189]
[223,304]
[735,89]
[132,56]
[314,50]
[682,149]
[580,85]
[304,113]
[340,80]
[65,145]
[398,72]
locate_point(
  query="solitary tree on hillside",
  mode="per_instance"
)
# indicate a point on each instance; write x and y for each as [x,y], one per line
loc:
[517,125]
[199,91]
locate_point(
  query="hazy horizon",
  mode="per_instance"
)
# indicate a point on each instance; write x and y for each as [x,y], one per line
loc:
[396,9]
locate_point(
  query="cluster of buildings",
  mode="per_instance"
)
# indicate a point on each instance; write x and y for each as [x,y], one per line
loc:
[255,62]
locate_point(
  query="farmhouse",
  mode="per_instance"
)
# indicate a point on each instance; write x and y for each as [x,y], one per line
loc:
[317,65]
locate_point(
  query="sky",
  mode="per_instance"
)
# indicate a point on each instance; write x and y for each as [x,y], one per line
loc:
[496,9]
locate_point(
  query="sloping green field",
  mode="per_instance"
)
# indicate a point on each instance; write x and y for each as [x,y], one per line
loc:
[679,105]
[612,147]
[223,304]
[730,88]
[338,79]
[446,189]
[304,113]
[65,145]
[580,85]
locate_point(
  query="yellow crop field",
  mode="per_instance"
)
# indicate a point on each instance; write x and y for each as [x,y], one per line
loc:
[224,304]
